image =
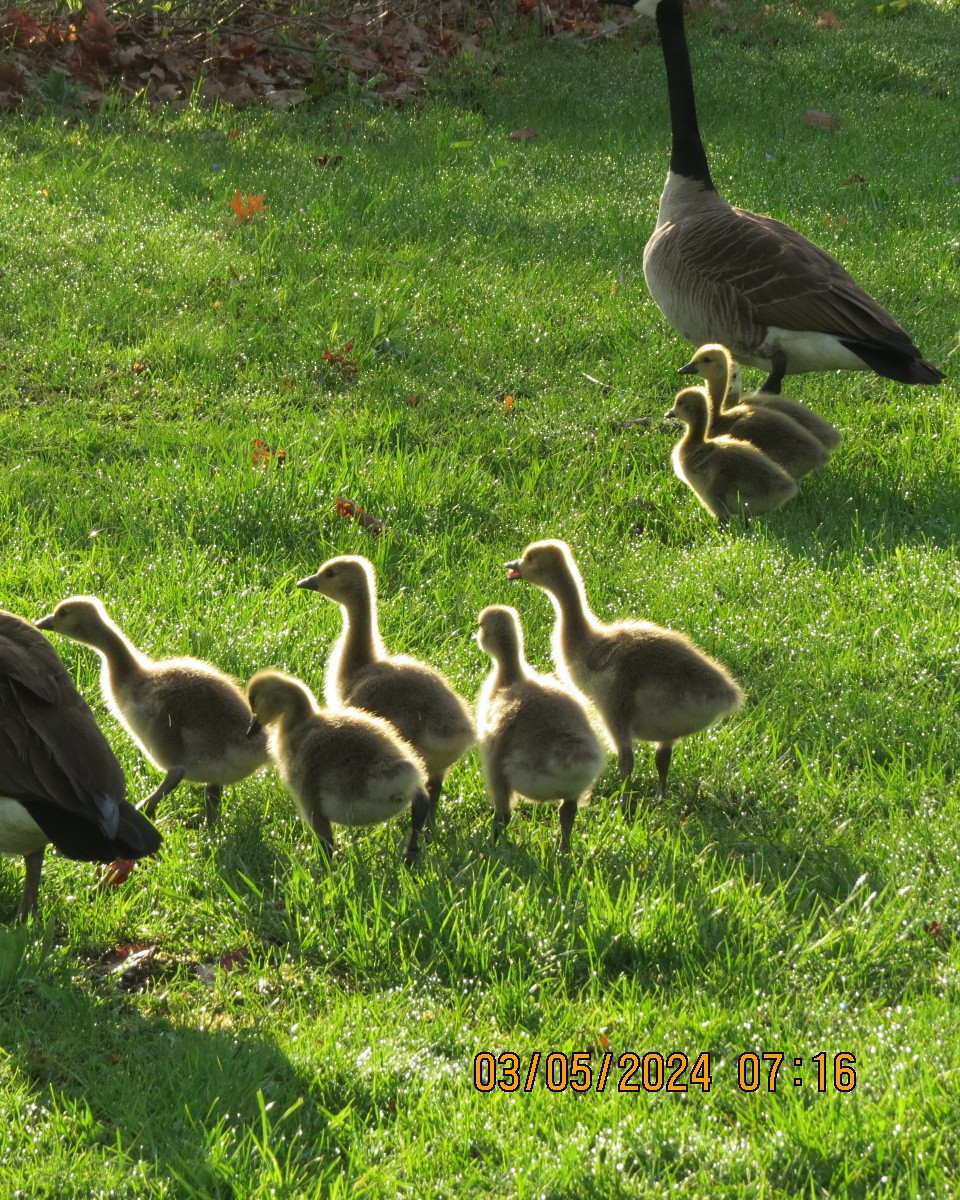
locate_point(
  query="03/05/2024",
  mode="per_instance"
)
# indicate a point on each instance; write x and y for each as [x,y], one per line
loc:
[631,1071]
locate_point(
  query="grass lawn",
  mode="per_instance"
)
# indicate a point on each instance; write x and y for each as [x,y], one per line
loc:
[281,1030]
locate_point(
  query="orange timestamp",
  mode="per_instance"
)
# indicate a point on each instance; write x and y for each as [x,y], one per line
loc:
[633,1071]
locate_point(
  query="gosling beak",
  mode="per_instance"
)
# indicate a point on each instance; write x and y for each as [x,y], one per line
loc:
[513,569]
[309,581]
[689,368]
[672,412]
[44,622]
[254,727]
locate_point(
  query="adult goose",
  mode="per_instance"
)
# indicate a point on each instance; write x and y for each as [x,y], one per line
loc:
[59,780]
[722,274]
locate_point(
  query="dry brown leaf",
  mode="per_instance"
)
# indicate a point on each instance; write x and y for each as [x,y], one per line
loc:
[820,120]
[828,19]
[524,135]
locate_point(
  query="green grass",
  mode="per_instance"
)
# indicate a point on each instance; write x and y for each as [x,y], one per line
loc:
[799,889]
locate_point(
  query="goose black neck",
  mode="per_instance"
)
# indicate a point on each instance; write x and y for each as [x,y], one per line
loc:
[687,157]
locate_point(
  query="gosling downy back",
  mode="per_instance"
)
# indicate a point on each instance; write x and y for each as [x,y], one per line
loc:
[722,274]
[648,683]
[534,735]
[342,766]
[188,718]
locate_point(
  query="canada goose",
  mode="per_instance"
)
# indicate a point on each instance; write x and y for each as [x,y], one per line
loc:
[59,780]
[728,477]
[340,765]
[722,274]
[725,388]
[187,717]
[648,683]
[534,735]
[780,437]
[413,697]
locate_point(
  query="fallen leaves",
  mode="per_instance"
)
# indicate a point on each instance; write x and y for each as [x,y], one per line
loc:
[245,209]
[261,456]
[828,19]
[341,361]
[526,134]
[820,120]
[351,511]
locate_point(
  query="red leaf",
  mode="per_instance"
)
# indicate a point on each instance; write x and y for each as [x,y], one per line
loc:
[353,512]
[245,209]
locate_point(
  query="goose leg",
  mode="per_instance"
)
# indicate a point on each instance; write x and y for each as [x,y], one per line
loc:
[434,784]
[169,784]
[568,813]
[211,805]
[662,757]
[29,900]
[774,381]
[419,815]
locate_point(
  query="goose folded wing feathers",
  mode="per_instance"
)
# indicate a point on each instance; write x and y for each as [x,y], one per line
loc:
[787,281]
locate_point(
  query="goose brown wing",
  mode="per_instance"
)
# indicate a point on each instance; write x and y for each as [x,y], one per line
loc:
[790,282]
[53,757]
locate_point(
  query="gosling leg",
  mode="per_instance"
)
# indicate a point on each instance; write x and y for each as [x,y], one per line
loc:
[211,804]
[30,898]
[324,831]
[420,815]
[500,797]
[568,813]
[625,760]
[434,784]
[662,757]
[169,784]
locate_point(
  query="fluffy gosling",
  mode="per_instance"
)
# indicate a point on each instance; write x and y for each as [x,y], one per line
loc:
[728,477]
[414,698]
[533,734]
[342,766]
[716,364]
[188,718]
[648,683]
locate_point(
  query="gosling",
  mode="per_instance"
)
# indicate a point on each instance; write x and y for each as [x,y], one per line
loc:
[648,683]
[413,697]
[728,477]
[776,434]
[60,781]
[717,366]
[341,766]
[533,734]
[188,718]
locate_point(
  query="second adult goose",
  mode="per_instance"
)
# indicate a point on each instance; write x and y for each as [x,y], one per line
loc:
[728,477]
[187,717]
[722,274]
[413,697]
[60,781]
[534,735]
[340,765]
[718,368]
[648,683]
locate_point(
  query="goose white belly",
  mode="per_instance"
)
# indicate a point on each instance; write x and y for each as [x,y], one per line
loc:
[806,351]
[19,832]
